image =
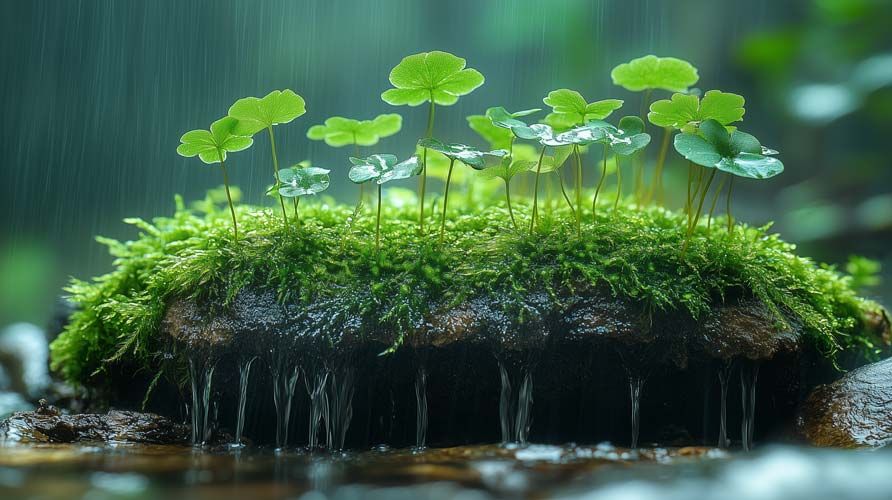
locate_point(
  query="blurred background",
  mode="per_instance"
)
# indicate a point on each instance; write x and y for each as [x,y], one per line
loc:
[96,93]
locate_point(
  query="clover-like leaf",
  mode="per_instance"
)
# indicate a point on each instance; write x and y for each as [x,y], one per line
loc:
[502,118]
[497,137]
[629,137]
[573,109]
[651,72]
[255,114]
[736,153]
[302,180]
[438,77]
[382,168]
[339,131]
[686,111]
[212,145]
[463,153]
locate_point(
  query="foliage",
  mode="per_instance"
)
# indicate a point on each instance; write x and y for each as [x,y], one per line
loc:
[255,114]
[211,146]
[437,77]
[569,108]
[736,153]
[338,131]
[302,180]
[651,72]
[685,112]
[382,168]
[463,153]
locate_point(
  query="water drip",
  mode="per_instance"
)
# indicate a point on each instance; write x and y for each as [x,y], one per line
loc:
[515,409]
[318,405]
[749,373]
[201,374]
[340,412]
[506,413]
[284,381]
[244,369]
[724,377]
[421,408]
[636,383]
[523,419]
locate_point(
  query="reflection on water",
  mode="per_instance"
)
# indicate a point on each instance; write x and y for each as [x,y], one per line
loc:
[491,471]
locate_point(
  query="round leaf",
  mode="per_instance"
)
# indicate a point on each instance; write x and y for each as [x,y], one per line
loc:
[301,181]
[461,152]
[752,166]
[576,110]
[652,72]
[255,114]
[431,76]
[686,111]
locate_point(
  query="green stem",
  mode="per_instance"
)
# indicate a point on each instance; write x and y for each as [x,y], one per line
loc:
[600,184]
[564,192]
[446,200]
[715,199]
[229,198]
[578,189]
[296,214]
[687,203]
[423,182]
[272,145]
[693,225]
[657,186]
[508,199]
[356,155]
[619,184]
[378,223]
[728,206]
[536,191]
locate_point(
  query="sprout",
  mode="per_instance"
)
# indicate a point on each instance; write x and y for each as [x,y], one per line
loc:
[685,112]
[737,153]
[339,132]
[382,168]
[302,180]
[465,154]
[211,146]
[435,77]
[255,114]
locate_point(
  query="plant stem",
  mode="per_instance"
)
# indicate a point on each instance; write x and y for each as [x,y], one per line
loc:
[564,192]
[229,198]
[378,223]
[657,186]
[356,155]
[619,184]
[702,199]
[687,202]
[296,214]
[272,145]
[578,213]
[536,191]
[728,206]
[446,200]
[715,199]
[598,189]
[423,183]
[508,199]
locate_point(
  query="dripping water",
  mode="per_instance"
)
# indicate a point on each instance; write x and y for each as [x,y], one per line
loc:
[523,419]
[749,373]
[244,369]
[318,405]
[515,410]
[284,381]
[506,413]
[724,378]
[201,374]
[340,412]
[636,383]
[421,408]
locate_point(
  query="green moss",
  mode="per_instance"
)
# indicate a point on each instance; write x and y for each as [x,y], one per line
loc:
[635,252]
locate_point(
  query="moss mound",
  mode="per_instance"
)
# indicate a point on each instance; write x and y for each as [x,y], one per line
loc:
[634,252]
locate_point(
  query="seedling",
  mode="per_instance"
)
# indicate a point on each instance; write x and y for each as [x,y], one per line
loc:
[301,180]
[338,132]
[465,154]
[255,114]
[381,169]
[436,78]
[211,146]
[738,154]
[646,74]
[626,140]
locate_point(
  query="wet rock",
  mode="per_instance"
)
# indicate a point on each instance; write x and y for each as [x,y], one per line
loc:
[48,425]
[746,330]
[853,412]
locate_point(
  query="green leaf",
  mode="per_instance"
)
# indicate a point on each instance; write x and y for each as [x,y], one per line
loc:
[255,114]
[500,117]
[497,137]
[212,145]
[685,111]
[463,153]
[575,109]
[629,138]
[339,131]
[431,76]
[301,181]
[382,168]
[506,169]
[737,153]
[652,72]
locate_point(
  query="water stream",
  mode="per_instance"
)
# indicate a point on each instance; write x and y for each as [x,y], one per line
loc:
[318,404]
[201,375]
[284,381]
[421,407]
[636,383]
[724,376]
[515,409]
[340,400]
[749,374]
[244,370]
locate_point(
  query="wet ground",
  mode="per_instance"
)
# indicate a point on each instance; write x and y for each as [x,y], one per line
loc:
[471,472]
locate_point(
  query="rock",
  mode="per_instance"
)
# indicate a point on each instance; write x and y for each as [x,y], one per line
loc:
[24,354]
[852,412]
[48,425]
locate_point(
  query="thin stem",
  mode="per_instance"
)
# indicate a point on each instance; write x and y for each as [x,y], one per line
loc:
[728,206]
[687,202]
[272,145]
[296,214]
[619,184]
[702,199]
[446,200]
[578,188]
[508,199]
[356,155]
[423,182]
[645,102]
[536,191]
[715,198]
[229,198]
[657,186]
[696,192]
[564,192]
[378,223]
[600,184]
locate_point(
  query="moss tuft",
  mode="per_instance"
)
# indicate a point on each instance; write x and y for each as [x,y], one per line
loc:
[635,252]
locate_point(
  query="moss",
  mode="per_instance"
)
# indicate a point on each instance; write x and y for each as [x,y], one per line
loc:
[635,252]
